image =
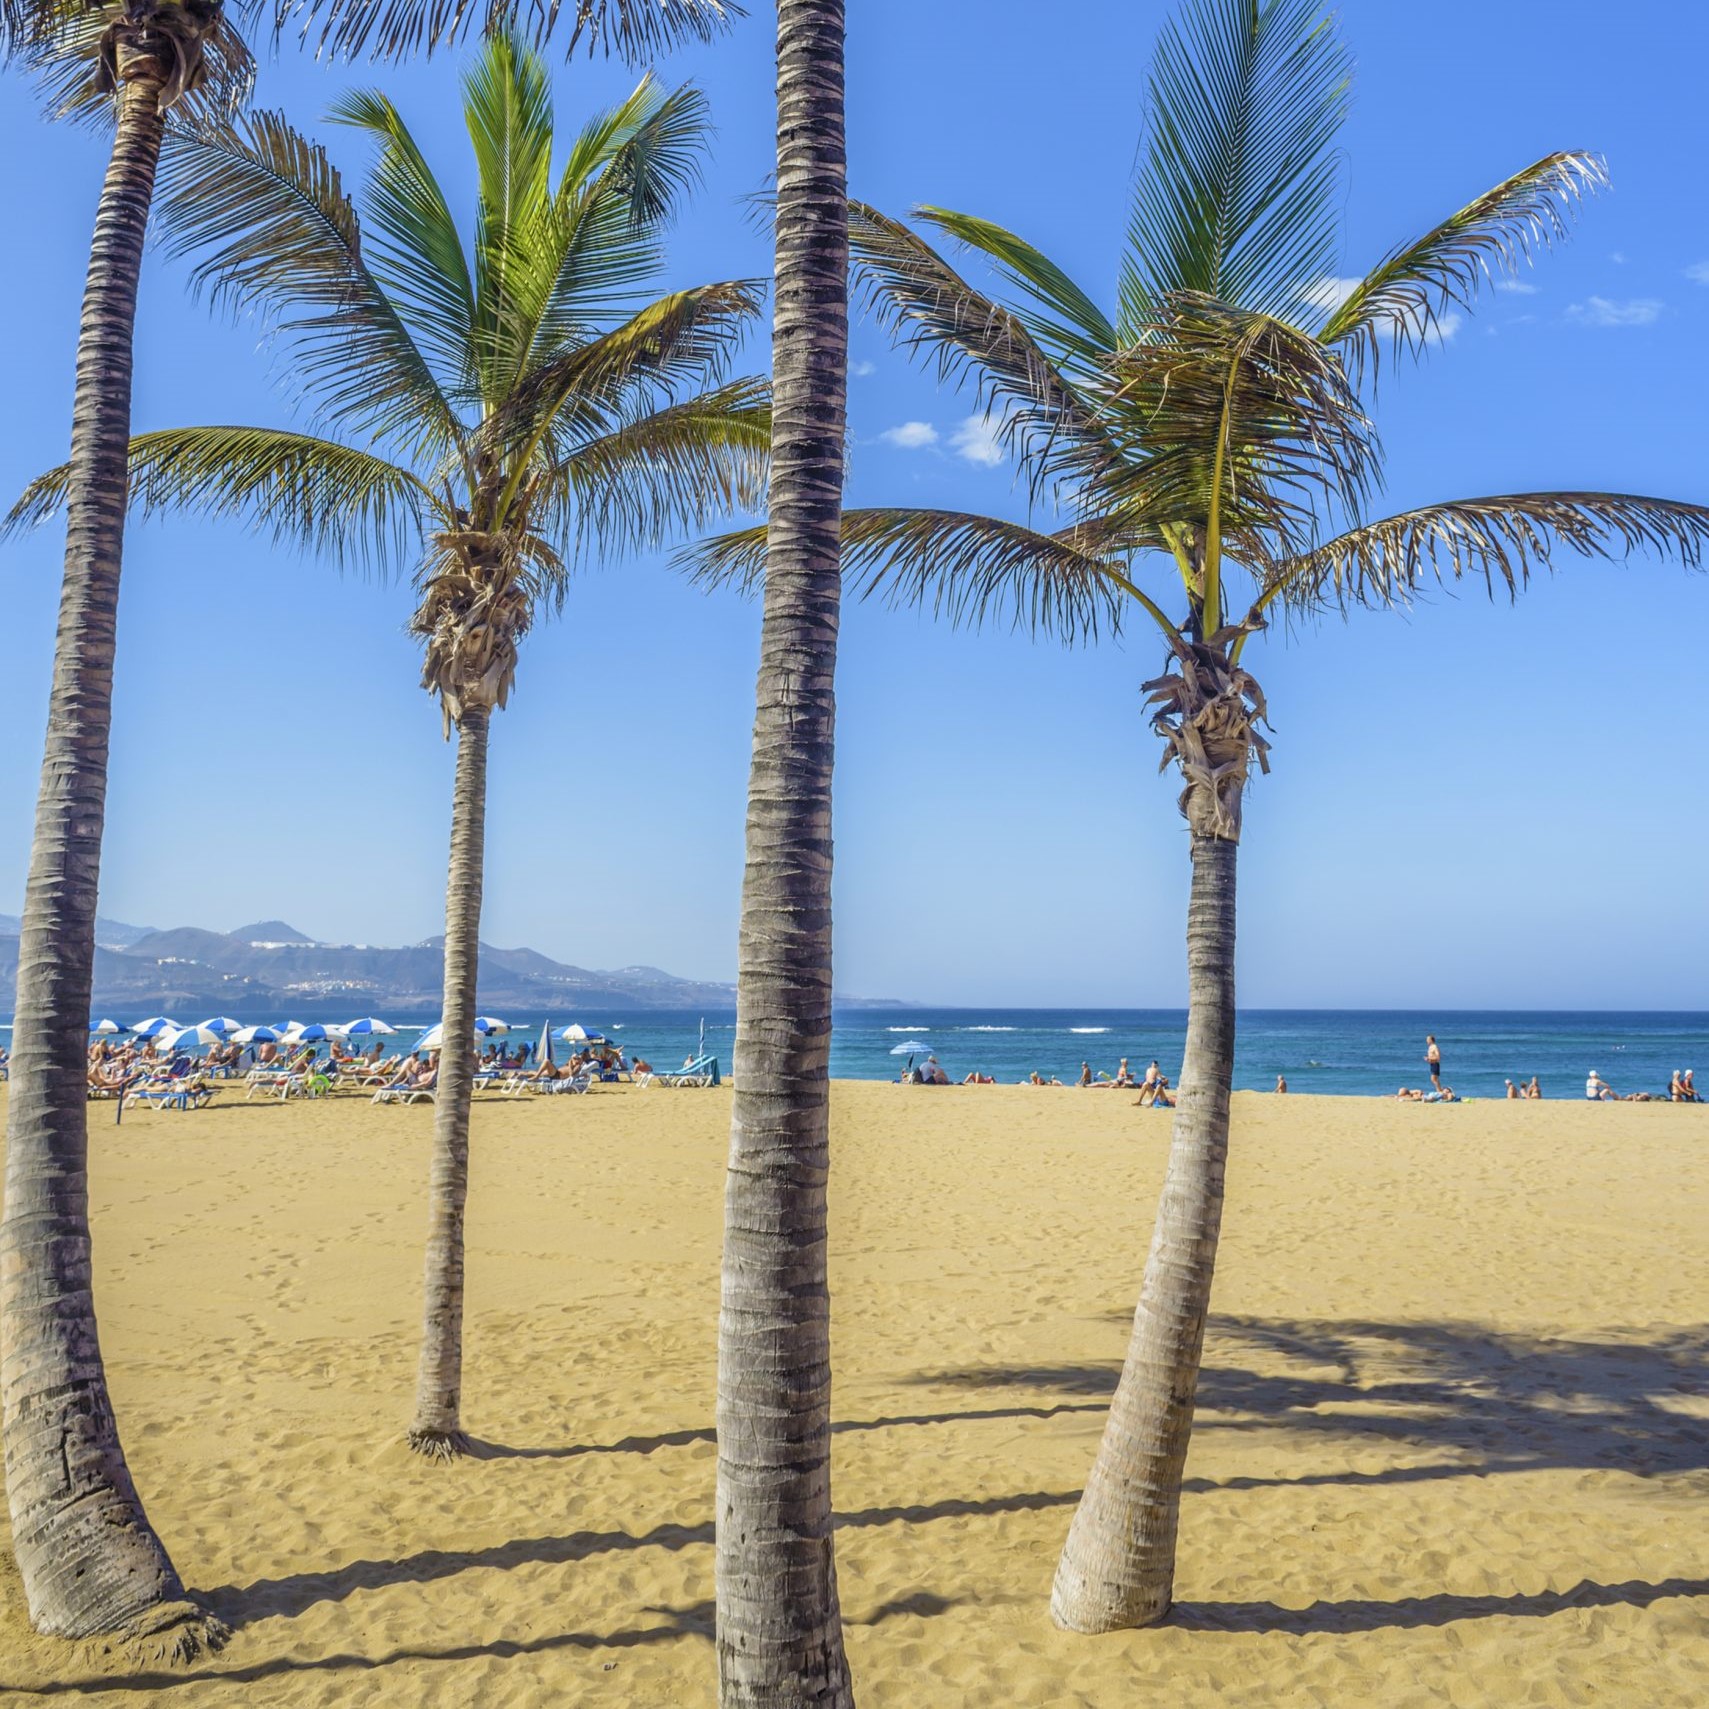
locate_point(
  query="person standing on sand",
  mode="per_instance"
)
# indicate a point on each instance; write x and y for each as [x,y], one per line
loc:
[1085,1075]
[1281,1085]
[1433,1060]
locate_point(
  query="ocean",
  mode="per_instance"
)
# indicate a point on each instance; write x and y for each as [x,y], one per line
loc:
[1341,1052]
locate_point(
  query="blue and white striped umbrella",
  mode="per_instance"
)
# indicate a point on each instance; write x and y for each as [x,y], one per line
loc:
[368,1024]
[256,1035]
[486,1024]
[224,1025]
[576,1034]
[154,1025]
[313,1033]
[105,1029]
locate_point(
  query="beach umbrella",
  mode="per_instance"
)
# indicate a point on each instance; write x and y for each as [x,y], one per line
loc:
[368,1024]
[256,1035]
[105,1029]
[486,1024]
[912,1048]
[313,1033]
[154,1025]
[544,1052]
[224,1025]
[431,1039]
[573,1034]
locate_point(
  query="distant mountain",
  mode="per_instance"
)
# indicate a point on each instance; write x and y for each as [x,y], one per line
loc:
[272,967]
[109,934]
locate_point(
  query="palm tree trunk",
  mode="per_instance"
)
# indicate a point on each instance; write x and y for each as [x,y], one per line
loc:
[91,1563]
[1118,1566]
[438,1427]
[780,1640]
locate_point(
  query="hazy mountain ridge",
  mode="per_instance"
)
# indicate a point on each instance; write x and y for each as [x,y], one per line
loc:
[271,966]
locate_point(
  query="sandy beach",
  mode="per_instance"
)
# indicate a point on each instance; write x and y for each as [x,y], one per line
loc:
[1453,1442]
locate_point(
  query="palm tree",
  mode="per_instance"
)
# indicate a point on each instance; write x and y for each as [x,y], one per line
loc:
[89,1560]
[780,1637]
[1206,447]
[497,412]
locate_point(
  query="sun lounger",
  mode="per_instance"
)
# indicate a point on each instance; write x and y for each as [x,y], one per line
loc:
[171,1094]
[703,1071]
[404,1094]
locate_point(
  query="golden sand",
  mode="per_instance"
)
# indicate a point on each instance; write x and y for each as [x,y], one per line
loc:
[1453,1443]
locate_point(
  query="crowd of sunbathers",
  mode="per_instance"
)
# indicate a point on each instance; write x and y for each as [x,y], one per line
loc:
[1153,1085]
[1681,1089]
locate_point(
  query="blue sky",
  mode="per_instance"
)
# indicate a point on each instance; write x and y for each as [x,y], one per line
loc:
[1471,805]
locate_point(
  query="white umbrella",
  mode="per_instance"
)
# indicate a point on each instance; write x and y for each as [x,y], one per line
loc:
[432,1038]
[912,1048]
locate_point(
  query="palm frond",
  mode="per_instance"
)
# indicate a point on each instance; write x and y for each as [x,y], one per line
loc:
[685,338]
[624,178]
[1502,539]
[312,493]
[1046,422]
[1405,295]
[637,30]
[264,212]
[417,254]
[1070,326]
[666,472]
[1238,195]
[956,564]
[507,102]
[1247,424]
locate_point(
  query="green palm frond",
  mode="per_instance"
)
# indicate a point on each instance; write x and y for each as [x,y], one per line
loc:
[960,565]
[625,176]
[417,253]
[1248,423]
[311,493]
[507,101]
[1070,326]
[637,30]
[1047,423]
[265,214]
[668,471]
[1238,195]
[684,339]
[1405,295]
[1502,539]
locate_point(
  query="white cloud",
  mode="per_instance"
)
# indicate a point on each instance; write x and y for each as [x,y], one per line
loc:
[1443,328]
[1699,271]
[860,370]
[910,436]
[978,439]
[1618,257]
[1605,311]
[1518,287]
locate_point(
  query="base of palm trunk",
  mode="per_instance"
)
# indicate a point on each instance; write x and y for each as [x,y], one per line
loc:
[173,1634]
[1075,1609]
[441,1445]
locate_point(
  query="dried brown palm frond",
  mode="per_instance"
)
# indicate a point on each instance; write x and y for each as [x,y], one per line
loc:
[1501,539]
[1207,710]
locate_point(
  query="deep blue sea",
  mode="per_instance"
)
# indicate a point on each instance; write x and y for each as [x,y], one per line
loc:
[1325,1051]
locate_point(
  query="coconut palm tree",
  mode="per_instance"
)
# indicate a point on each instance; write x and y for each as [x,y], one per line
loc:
[1200,457]
[89,1560]
[779,1628]
[494,410]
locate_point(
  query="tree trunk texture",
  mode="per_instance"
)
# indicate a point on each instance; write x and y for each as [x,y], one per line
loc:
[1118,1566]
[91,1563]
[780,1641]
[438,1428]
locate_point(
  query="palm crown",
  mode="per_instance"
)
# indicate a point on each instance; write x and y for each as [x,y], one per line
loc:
[491,408]
[1216,422]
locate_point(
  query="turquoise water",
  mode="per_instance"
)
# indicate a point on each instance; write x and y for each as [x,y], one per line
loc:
[1325,1051]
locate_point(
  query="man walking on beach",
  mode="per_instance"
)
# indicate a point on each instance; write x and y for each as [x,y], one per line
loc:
[1433,1060]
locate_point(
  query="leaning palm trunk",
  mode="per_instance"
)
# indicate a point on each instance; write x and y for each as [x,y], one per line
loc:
[438,1427]
[90,1562]
[780,1642]
[1118,1565]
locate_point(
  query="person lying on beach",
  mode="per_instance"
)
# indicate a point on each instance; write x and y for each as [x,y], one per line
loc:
[1410,1095]
[1037,1079]
[1447,1095]
[1598,1090]
[978,1079]
[1639,1098]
